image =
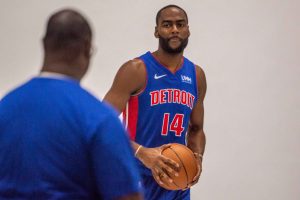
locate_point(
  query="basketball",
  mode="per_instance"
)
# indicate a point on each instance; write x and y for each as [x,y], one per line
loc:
[188,170]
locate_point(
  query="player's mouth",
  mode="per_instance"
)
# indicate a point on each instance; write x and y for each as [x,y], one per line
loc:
[175,39]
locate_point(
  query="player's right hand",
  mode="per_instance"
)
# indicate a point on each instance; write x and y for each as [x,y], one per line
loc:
[160,165]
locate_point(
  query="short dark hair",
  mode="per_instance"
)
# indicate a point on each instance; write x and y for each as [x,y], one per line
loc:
[169,6]
[66,29]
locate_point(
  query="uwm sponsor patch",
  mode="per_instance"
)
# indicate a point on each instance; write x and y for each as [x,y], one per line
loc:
[172,96]
[186,79]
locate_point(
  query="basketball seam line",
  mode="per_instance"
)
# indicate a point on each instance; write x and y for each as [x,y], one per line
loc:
[175,184]
[187,176]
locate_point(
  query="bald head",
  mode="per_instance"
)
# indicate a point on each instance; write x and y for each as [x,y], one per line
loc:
[67,44]
[66,30]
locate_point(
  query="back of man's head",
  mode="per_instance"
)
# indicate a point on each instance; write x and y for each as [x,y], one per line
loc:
[67,31]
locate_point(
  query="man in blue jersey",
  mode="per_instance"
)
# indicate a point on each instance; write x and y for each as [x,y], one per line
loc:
[161,95]
[57,141]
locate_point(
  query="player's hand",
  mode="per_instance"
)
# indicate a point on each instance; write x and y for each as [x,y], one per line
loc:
[161,166]
[199,170]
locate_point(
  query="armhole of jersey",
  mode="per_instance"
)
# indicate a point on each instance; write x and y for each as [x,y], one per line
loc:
[196,77]
[130,119]
[146,81]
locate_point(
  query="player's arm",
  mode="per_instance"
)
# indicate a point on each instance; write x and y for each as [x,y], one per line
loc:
[129,80]
[196,137]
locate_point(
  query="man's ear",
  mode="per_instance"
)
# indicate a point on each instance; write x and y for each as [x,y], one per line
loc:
[156,32]
[87,49]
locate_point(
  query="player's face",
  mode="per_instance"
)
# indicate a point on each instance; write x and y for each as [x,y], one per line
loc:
[172,30]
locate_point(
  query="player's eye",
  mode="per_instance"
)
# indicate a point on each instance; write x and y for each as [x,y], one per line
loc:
[166,25]
[180,25]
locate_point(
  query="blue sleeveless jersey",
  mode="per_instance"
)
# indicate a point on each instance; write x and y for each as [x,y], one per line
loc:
[160,113]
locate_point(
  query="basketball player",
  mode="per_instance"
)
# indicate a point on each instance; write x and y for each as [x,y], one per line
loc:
[161,94]
[57,141]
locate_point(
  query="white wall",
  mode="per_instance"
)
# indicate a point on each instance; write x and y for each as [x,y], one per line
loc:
[249,50]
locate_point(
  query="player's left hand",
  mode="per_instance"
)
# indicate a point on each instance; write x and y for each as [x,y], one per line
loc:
[199,167]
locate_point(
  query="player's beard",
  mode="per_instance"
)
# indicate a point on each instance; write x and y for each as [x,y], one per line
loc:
[164,44]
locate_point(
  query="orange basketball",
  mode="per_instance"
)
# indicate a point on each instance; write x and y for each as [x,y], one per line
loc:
[188,170]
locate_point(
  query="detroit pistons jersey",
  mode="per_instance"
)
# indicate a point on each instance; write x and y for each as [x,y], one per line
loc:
[160,113]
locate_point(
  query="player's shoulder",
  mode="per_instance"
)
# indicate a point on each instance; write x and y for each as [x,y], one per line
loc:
[199,70]
[200,76]
[135,65]
[201,81]
[133,72]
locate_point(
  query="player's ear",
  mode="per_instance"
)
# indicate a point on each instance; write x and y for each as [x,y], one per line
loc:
[156,32]
[189,33]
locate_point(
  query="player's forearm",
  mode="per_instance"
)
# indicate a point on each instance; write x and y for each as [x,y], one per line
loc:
[196,141]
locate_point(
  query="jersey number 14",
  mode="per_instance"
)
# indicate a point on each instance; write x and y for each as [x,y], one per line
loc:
[176,125]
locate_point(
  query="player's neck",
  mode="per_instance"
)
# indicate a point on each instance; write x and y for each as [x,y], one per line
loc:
[171,61]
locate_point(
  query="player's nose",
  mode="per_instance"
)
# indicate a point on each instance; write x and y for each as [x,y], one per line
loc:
[175,29]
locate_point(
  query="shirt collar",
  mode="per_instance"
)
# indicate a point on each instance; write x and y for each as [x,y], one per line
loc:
[55,75]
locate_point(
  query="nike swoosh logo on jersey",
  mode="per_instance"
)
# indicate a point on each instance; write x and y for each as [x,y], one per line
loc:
[158,77]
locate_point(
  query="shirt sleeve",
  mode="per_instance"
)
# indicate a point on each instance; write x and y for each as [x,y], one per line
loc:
[114,165]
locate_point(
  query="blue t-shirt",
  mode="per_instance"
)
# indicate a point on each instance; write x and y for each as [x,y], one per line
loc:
[57,141]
